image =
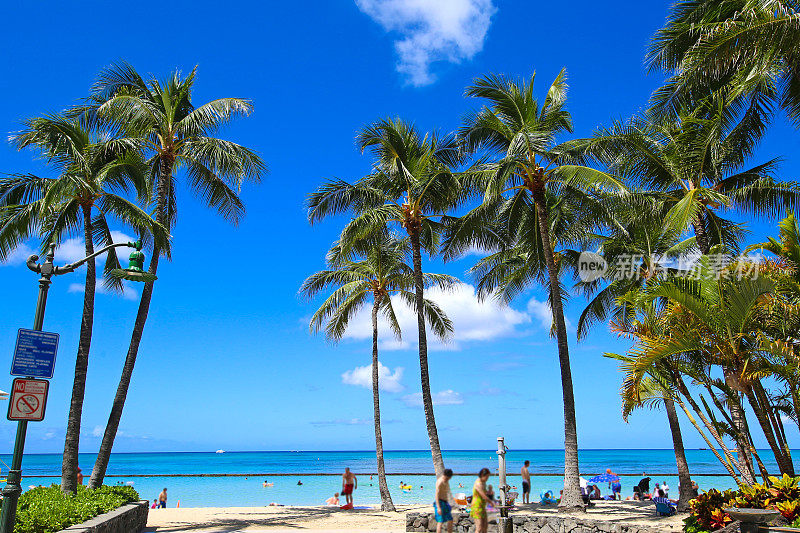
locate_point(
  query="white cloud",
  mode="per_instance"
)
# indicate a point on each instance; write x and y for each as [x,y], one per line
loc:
[129,293]
[343,422]
[98,431]
[69,251]
[19,255]
[432,30]
[361,376]
[542,313]
[473,320]
[445,397]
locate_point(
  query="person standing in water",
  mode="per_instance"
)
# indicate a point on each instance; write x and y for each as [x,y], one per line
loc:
[479,499]
[162,499]
[441,502]
[526,483]
[349,484]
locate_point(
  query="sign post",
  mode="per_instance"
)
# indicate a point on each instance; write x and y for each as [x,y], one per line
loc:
[28,400]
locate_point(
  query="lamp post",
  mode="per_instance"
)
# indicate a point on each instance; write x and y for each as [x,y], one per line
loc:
[47,270]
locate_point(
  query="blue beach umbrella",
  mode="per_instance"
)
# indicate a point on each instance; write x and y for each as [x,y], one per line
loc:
[604,478]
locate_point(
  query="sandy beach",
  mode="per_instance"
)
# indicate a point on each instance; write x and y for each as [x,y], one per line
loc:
[328,519]
[276,519]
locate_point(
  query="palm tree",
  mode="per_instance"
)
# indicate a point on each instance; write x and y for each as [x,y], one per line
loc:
[638,251]
[412,184]
[781,316]
[521,133]
[94,174]
[723,315]
[749,46]
[380,273]
[695,164]
[653,391]
[160,119]
[638,248]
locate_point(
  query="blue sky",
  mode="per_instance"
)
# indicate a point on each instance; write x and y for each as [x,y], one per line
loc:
[227,360]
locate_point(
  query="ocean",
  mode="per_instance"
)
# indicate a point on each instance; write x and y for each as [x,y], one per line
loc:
[309,477]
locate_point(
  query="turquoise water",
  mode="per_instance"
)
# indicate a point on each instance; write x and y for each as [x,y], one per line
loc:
[158,471]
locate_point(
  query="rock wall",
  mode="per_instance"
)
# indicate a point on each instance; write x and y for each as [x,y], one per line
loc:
[533,524]
[130,518]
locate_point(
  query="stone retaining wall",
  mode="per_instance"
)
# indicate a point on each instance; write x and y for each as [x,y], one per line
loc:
[533,524]
[130,518]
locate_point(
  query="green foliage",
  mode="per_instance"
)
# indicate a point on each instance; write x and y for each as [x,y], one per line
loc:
[782,494]
[47,509]
[707,509]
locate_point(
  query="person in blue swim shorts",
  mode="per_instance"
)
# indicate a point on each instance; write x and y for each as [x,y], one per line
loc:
[441,505]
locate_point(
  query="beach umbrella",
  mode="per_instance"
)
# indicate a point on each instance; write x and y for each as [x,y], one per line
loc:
[604,478]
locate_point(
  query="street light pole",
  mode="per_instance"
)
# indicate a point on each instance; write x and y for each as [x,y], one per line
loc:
[13,489]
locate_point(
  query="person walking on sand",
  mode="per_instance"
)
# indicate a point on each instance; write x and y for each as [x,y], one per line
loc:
[441,503]
[479,499]
[526,483]
[162,499]
[349,484]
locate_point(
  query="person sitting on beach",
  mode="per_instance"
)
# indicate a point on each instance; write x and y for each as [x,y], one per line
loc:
[349,484]
[526,482]
[695,489]
[664,506]
[594,492]
[333,500]
[442,511]
[479,500]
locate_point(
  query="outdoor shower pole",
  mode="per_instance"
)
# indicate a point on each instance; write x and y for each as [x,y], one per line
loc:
[501,457]
[504,523]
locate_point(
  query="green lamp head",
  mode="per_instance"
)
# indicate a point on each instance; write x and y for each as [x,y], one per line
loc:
[135,270]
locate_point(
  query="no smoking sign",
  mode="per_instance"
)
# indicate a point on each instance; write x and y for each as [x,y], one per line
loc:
[28,400]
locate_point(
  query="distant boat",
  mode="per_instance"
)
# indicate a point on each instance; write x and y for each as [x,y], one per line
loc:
[220,451]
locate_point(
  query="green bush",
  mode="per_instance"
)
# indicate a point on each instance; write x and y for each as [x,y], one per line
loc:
[47,509]
[782,494]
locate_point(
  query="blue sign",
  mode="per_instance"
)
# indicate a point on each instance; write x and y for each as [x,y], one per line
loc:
[35,354]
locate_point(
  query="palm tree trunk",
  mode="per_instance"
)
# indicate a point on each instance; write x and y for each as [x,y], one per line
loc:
[729,459]
[742,440]
[759,404]
[685,479]
[104,454]
[700,234]
[571,499]
[69,462]
[427,401]
[383,487]
[726,464]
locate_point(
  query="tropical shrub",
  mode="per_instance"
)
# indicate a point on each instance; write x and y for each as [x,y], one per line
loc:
[707,510]
[47,509]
